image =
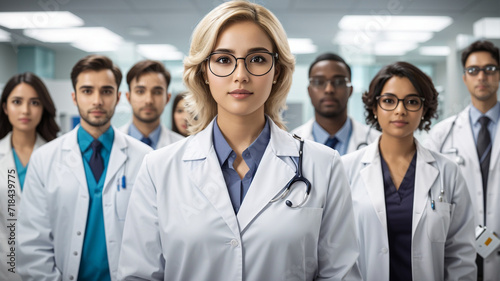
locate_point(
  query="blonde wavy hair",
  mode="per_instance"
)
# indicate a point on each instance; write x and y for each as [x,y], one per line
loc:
[199,100]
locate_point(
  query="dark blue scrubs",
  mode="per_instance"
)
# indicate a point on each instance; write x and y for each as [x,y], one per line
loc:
[399,209]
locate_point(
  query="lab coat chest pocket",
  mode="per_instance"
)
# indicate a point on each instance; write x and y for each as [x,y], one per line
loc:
[121,199]
[438,221]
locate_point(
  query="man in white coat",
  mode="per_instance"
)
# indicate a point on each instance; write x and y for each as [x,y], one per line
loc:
[329,89]
[78,186]
[471,139]
[148,83]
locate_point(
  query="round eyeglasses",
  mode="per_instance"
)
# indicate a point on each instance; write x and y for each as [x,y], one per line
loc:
[488,70]
[389,102]
[257,63]
[338,83]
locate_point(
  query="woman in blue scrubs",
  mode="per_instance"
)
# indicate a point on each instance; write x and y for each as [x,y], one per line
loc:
[412,210]
[26,123]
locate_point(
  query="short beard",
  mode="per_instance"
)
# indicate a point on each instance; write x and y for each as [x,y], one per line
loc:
[96,124]
[147,121]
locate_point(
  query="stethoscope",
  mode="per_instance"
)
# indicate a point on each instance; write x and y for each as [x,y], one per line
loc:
[365,143]
[452,150]
[297,178]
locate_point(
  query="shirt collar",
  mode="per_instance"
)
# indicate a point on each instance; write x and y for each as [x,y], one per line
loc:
[256,149]
[85,139]
[321,135]
[154,136]
[493,114]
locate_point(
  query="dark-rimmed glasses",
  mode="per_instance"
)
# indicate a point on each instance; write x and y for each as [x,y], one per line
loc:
[256,63]
[389,102]
[338,83]
[488,70]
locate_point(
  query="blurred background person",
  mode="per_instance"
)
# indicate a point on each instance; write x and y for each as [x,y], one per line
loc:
[412,208]
[148,95]
[180,115]
[26,122]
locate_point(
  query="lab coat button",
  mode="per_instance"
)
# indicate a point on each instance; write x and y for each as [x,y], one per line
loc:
[78,233]
[384,250]
[234,243]
[75,253]
[71,277]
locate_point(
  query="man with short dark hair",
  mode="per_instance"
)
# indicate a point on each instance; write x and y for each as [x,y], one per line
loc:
[469,138]
[329,89]
[77,187]
[148,83]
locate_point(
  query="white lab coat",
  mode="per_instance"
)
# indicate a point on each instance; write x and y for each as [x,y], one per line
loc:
[8,167]
[182,226]
[54,209]
[361,136]
[442,239]
[166,136]
[463,140]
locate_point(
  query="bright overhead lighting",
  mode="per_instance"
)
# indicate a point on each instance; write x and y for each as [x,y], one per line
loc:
[487,28]
[160,52]
[388,48]
[345,37]
[23,20]
[442,51]
[374,24]
[96,46]
[72,35]
[4,36]
[302,46]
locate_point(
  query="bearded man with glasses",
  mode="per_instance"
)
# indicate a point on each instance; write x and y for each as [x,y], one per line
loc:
[471,135]
[329,89]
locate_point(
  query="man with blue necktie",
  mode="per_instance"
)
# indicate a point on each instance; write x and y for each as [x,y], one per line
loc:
[77,187]
[148,82]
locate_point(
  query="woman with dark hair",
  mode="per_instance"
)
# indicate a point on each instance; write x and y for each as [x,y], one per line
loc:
[180,116]
[26,123]
[412,210]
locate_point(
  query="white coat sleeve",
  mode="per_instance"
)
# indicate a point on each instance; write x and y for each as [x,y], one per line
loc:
[141,255]
[35,241]
[460,252]
[338,248]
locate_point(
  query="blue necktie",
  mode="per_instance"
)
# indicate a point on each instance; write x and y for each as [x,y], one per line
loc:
[147,140]
[96,163]
[332,142]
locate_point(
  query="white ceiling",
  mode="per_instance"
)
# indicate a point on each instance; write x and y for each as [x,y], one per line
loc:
[172,21]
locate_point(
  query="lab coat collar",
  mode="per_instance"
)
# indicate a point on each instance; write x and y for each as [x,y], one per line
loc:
[74,160]
[6,143]
[271,176]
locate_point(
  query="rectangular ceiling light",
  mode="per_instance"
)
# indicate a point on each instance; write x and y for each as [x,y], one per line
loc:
[389,48]
[487,28]
[4,36]
[23,20]
[373,24]
[160,52]
[350,37]
[72,35]
[441,51]
[302,46]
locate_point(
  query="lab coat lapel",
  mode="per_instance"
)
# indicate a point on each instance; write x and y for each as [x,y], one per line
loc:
[117,157]
[271,177]
[73,158]
[495,151]
[7,159]
[463,139]
[425,176]
[374,181]
[201,159]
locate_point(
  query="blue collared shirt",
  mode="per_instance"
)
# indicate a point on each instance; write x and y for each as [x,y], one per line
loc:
[154,136]
[237,187]
[343,135]
[94,260]
[21,170]
[493,114]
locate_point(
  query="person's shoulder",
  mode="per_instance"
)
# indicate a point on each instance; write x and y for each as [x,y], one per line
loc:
[133,143]
[304,128]
[169,152]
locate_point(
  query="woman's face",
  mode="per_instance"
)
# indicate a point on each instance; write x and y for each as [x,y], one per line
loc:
[400,122]
[180,118]
[23,108]
[241,93]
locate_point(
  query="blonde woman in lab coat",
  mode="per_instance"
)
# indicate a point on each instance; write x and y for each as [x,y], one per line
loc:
[413,211]
[203,208]
[26,123]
